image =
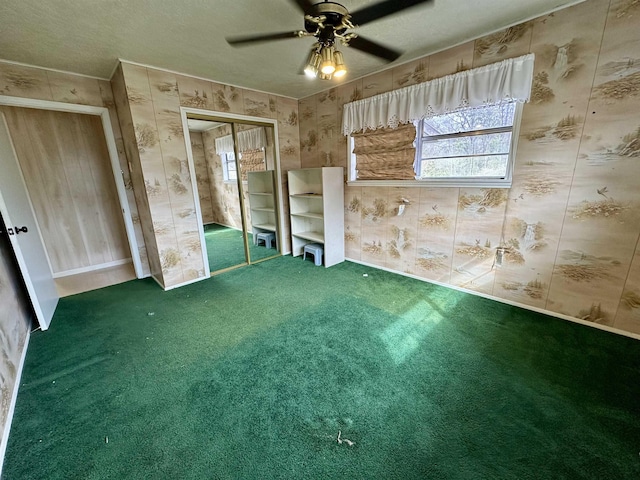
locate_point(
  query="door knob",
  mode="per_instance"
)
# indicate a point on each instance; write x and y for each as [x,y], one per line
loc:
[23,229]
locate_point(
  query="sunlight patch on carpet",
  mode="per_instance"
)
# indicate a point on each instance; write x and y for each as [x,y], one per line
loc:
[405,335]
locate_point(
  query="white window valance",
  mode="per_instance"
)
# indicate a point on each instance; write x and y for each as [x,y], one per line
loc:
[253,139]
[509,80]
[224,144]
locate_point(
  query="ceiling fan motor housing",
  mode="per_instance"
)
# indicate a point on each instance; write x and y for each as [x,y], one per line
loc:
[330,16]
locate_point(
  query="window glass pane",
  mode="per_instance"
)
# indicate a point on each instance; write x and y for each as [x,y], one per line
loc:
[229,166]
[482,166]
[494,143]
[471,119]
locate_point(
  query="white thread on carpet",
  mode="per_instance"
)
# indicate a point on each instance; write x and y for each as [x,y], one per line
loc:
[345,440]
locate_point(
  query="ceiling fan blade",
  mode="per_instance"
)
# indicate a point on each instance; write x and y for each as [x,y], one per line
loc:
[247,39]
[374,48]
[305,6]
[382,9]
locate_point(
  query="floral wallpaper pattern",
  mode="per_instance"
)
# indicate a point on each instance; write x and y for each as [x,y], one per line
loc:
[202,177]
[570,224]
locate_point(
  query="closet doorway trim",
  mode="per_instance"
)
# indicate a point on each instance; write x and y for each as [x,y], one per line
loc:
[233,118]
[105,118]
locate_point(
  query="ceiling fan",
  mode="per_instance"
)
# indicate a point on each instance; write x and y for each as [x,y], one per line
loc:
[330,22]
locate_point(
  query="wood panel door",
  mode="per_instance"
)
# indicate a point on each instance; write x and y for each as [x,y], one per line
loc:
[67,171]
[26,243]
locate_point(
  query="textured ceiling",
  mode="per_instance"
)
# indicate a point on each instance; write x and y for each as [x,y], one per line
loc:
[187,36]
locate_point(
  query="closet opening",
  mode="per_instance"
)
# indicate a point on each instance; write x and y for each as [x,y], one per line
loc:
[70,172]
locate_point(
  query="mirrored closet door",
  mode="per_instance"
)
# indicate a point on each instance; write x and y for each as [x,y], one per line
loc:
[235,172]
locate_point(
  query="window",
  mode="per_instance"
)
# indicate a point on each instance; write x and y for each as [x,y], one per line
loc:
[229,167]
[468,136]
[474,146]
[251,147]
[474,143]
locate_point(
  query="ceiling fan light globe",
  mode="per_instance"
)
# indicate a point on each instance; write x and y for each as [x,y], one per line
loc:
[310,72]
[341,69]
[313,63]
[327,66]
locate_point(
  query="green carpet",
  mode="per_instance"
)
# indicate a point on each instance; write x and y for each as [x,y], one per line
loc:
[225,247]
[252,374]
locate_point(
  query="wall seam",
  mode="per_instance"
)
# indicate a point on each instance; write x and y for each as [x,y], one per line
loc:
[575,165]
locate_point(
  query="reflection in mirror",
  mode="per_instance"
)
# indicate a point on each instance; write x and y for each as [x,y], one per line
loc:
[255,147]
[235,174]
[216,177]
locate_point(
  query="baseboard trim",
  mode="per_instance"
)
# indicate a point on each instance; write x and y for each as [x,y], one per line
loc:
[188,282]
[504,300]
[91,268]
[12,405]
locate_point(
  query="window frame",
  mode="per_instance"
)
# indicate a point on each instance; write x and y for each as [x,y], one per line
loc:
[480,182]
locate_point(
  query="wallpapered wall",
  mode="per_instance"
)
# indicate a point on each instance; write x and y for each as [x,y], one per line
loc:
[151,109]
[572,216]
[202,177]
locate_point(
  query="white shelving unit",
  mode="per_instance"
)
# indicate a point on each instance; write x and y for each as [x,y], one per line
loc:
[316,205]
[262,202]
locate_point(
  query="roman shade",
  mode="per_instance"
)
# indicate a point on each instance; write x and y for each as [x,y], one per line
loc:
[385,153]
[251,161]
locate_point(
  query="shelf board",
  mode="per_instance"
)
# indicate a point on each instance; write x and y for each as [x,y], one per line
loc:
[261,193]
[265,226]
[313,236]
[263,209]
[306,195]
[319,216]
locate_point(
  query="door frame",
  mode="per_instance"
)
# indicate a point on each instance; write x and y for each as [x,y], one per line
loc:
[231,118]
[116,169]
